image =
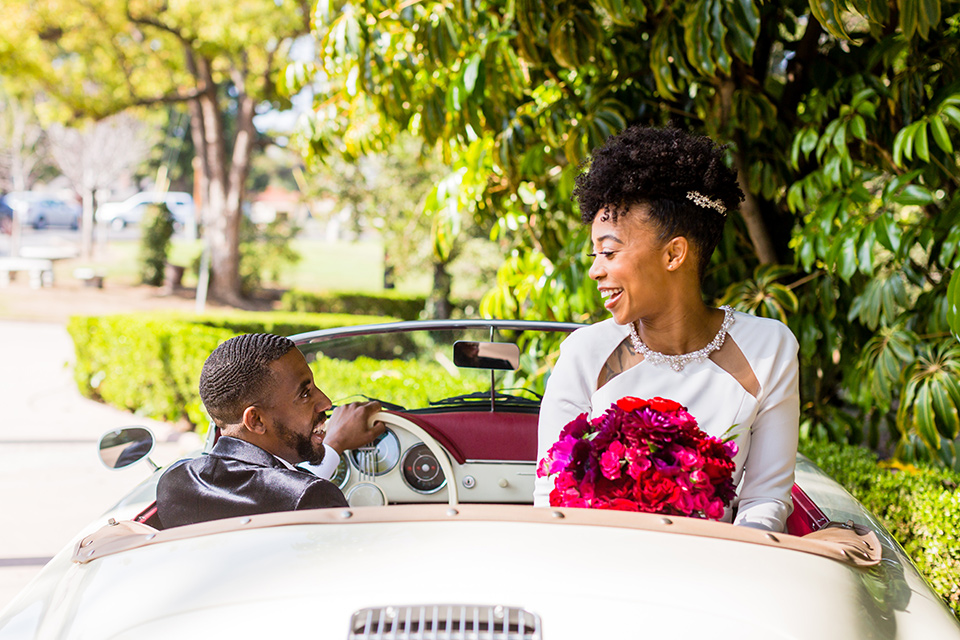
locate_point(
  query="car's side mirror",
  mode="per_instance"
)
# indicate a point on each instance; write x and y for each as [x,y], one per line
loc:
[486,355]
[121,448]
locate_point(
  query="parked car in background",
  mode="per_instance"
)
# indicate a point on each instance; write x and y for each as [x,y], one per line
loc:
[6,218]
[440,539]
[130,211]
[41,209]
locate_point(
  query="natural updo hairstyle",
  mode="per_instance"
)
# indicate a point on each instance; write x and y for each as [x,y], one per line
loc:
[659,167]
[237,374]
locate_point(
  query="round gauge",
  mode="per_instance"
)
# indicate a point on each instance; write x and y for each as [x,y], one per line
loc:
[379,457]
[421,470]
[342,474]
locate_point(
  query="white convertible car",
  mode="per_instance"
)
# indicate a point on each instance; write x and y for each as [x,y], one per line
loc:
[440,540]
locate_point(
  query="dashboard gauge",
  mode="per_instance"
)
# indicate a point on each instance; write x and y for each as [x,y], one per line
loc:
[421,470]
[380,457]
[342,474]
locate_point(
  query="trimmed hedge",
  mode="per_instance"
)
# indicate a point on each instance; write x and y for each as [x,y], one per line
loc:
[405,307]
[919,506]
[150,363]
[405,382]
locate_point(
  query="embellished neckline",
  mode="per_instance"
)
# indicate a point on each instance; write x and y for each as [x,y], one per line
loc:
[678,362]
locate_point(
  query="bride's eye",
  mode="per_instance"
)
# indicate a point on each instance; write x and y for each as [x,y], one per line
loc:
[606,254]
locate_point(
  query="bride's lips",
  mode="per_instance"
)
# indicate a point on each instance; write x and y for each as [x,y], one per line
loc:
[611,296]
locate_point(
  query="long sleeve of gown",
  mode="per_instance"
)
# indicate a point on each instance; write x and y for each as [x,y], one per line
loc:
[764,497]
[566,396]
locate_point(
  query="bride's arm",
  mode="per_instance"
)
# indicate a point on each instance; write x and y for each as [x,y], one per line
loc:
[566,396]
[765,501]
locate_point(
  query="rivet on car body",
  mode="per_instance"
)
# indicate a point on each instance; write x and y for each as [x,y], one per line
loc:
[112,522]
[666,520]
[246,521]
[346,513]
[469,482]
[452,512]
[557,514]
[151,536]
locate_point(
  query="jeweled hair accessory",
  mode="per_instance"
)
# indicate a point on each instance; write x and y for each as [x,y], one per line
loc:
[707,203]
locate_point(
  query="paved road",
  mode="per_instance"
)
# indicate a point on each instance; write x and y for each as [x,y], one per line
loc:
[51,480]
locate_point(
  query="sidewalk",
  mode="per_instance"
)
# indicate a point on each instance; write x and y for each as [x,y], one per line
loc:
[51,480]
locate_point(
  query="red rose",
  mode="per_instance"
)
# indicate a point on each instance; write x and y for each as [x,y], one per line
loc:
[629,403]
[662,404]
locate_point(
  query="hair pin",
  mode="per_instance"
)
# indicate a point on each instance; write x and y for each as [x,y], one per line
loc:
[706,202]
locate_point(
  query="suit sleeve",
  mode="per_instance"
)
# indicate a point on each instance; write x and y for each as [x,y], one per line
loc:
[321,494]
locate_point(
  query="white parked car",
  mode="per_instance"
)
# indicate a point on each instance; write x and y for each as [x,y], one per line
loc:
[130,211]
[40,210]
[440,539]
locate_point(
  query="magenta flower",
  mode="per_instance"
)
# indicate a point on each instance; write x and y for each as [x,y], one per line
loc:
[641,455]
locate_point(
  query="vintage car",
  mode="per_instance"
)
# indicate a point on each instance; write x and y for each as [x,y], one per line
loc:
[441,541]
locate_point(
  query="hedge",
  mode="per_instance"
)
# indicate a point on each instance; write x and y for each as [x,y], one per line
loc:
[919,506]
[149,363]
[387,303]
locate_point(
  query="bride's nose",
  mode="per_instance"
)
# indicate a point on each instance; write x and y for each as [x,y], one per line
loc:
[596,271]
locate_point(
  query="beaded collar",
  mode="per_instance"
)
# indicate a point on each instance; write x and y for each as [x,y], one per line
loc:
[678,362]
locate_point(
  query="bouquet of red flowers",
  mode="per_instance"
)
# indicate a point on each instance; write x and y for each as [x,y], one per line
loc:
[641,455]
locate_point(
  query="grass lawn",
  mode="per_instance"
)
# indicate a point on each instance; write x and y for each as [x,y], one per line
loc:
[324,266]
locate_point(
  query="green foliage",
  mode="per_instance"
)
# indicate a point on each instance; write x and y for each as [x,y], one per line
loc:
[407,383]
[265,251]
[405,307]
[919,506]
[156,230]
[842,119]
[149,363]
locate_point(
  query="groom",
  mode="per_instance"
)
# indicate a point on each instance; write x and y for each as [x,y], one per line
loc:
[261,394]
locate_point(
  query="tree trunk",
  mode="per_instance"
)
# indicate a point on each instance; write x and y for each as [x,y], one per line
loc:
[87,224]
[221,210]
[750,210]
[438,304]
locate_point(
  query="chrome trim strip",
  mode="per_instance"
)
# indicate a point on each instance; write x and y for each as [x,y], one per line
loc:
[320,335]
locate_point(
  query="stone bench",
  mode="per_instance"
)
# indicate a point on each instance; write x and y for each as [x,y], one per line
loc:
[40,270]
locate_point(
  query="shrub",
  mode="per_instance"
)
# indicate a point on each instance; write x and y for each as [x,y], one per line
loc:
[156,230]
[919,505]
[265,251]
[149,363]
[405,307]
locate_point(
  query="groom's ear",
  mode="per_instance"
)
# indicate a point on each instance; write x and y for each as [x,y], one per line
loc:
[253,420]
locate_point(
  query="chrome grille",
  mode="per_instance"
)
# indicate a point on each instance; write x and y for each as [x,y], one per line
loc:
[445,622]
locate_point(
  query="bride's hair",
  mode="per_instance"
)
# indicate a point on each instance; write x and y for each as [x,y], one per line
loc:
[681,176]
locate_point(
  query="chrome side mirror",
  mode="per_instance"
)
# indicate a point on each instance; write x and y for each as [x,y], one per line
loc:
[121,448]
[486,355]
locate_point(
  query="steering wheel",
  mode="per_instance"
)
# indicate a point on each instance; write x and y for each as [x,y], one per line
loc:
[399,422]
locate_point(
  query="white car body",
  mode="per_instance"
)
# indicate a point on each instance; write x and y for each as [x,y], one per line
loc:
[471,560]
[130,211]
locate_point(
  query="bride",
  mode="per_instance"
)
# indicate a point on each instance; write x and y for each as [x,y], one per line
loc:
[656,200]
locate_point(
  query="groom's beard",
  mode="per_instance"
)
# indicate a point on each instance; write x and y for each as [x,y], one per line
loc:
[302,444]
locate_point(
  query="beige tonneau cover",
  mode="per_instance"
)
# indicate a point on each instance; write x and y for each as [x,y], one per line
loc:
[854,546]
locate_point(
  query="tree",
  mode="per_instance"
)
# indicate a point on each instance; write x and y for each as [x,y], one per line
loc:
[220,57]
[842,122]
[94,157]
[22,143]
